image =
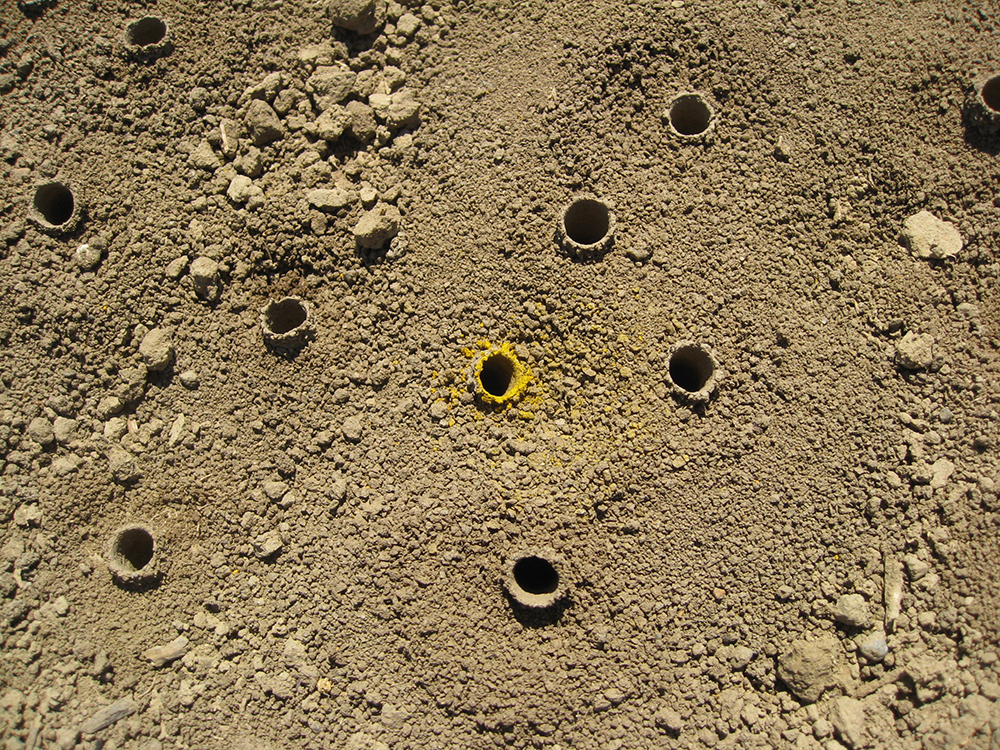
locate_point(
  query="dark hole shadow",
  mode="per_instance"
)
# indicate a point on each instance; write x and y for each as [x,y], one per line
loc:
[142,586]
[137,547]
[357,44]
[974,138]
[161,378]
[496,375]
[369,257]
[35,8]
[147,31]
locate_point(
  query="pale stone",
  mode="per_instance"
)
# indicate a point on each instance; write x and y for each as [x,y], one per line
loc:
[157,349]
[359,16]
[329,200]
[848,718]
[377,226]
[915,351]
[852,610]
[931,238]
[161,655]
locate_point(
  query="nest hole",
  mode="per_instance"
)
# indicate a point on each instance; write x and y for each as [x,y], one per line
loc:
[991,93]
[587,221]
[690,114]
[496,375]
[135,548]
[286,315]
[536,575]
[691,368]
[146,31]
[54,202]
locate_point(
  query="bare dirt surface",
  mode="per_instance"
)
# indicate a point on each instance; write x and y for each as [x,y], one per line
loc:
[323,528]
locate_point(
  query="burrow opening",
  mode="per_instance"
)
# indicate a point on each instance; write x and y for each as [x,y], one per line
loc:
[991,93]
[286,315]
[587,221]
[690,114]
[691,368]
[536,575]
[497,374]
[54,202]
[135,547]
[146,31]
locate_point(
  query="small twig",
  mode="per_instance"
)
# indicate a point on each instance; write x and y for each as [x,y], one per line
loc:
[886,679]
[33,734]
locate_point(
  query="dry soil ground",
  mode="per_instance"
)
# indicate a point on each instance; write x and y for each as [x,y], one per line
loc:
[809,559]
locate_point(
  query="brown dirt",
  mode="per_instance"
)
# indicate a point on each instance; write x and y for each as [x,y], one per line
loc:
[695,542]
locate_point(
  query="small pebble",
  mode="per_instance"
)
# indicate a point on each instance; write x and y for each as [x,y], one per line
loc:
[28,515]
[205,277]
[157,349]
[669,719]
[161,655]
[852,610]
[64,429]
[40,430]
[368,195]
[377,226]
[267,544]
[915,351]
[352,429]
[915,567]
[67,737]
[198,98]
[189,379]
[874,646]
[87,257]
[359,16]
[263,123]
[639,253]
[407,25]
[331,200]
[175,268]
[930,238]
[274,490]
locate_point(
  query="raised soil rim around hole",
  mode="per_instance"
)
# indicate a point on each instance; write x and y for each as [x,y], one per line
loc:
[690,115]
[499,377]
[534,580]
[136,547]
[497,374]
[132,554]
[286,315]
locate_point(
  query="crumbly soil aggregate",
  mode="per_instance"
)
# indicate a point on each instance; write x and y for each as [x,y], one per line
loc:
[806,559]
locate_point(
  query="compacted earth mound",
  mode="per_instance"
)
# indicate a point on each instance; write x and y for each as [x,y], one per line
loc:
[458,375]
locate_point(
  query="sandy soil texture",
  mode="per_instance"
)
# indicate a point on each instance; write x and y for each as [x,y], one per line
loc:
[587,375]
